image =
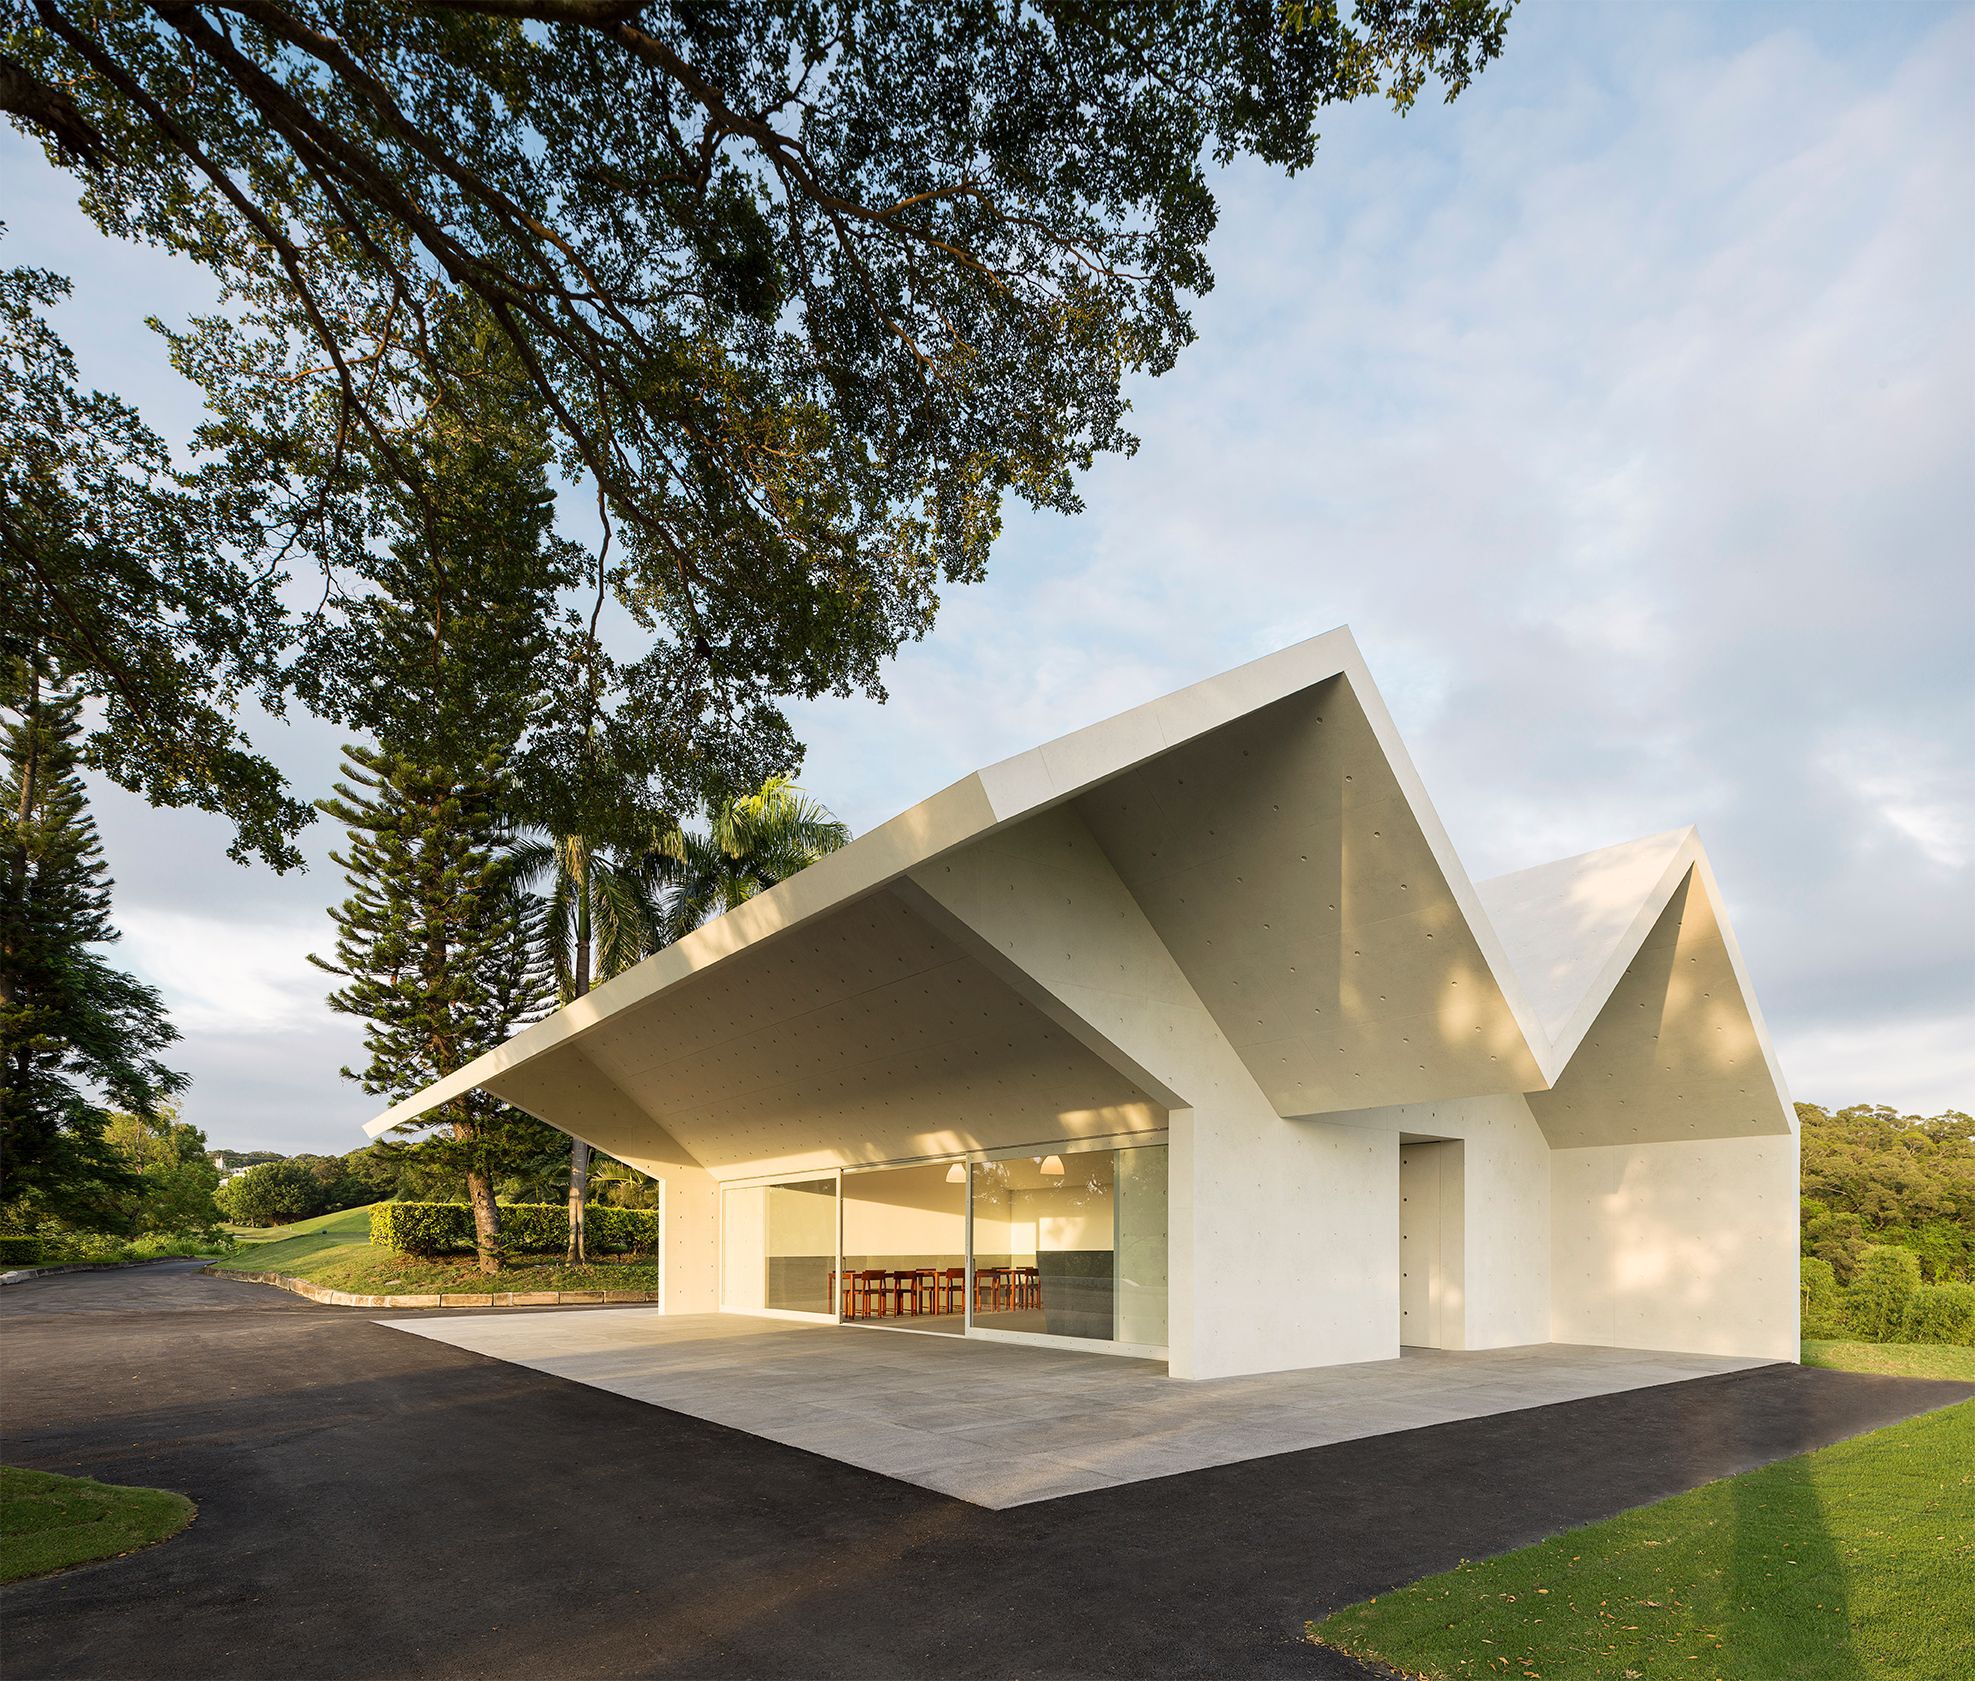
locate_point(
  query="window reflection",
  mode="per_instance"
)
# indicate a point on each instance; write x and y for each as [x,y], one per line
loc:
[780,1246]
[905,1247]
[1073,1245]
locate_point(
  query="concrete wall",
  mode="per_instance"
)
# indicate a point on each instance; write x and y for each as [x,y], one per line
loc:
[1691,1247]
[1293,1243]
[1495,1207]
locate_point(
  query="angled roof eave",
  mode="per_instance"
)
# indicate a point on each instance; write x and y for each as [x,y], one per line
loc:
[976,805]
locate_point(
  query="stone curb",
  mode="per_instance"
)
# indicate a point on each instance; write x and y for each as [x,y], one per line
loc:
[21,1275]
[496,1298]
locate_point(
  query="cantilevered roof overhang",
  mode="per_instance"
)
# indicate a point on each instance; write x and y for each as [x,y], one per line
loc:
[1264,844]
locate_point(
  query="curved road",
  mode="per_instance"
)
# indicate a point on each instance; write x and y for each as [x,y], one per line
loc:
[378,1505]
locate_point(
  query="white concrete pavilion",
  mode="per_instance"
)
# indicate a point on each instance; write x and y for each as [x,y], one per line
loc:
[1186,1036]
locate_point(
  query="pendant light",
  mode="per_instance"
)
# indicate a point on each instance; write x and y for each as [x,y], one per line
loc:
[957,1174]
[1052,1167]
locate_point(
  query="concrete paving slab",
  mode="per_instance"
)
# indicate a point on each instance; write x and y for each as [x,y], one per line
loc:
[1005,1425]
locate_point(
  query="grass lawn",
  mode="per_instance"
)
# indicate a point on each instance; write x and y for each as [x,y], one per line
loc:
[48,1523]
[334,1250]
[1894,1359]
[1854,1562]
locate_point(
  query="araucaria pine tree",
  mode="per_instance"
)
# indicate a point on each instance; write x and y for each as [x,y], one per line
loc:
[78,1036]
[438,951]
[440,664]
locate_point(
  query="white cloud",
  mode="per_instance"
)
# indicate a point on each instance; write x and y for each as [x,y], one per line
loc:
[1920,1067]
[1915,791]
[223,975]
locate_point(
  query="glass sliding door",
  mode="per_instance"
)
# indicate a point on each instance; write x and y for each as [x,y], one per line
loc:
[1140,1188]
[905,1247]
[1070,1243]
[1073,1244]
[779,1247]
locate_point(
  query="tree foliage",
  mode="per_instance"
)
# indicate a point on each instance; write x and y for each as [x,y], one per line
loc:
[806,292]
[750,844]
[75,1031]
[275,1193]
[275,1190]
[176,1177]
[138,582]
[1872,1175]
[1879,1294]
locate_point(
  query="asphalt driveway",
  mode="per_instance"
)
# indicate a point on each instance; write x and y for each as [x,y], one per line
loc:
[378,1505]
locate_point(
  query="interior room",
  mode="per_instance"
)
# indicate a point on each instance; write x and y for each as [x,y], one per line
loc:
[1064,1245]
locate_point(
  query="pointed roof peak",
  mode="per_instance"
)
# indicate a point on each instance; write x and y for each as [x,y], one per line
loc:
[1564,923]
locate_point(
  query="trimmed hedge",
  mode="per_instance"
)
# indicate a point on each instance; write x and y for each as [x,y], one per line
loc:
[19,1251]
[440,1228]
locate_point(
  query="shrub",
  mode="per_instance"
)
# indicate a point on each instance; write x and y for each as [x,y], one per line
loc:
[1824,1306]
[19,1251]
[527,1228]
[1876,1300]
[614,1230]
[272,1194]
[1940,1313]
[534,1228]
[422,1228]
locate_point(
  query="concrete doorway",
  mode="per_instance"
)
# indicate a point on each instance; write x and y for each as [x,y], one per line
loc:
[1432,1307]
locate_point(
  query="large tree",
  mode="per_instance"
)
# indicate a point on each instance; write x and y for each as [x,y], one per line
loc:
[436,951]
[807,291]
[75,1031]
[176,1176]
[441,663]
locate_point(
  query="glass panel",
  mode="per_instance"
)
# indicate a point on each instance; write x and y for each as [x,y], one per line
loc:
[905,1247]
[780,1246]
[1043,1236]
[1141,1191]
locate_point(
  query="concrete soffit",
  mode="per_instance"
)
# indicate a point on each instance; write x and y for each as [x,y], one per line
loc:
[1090,766]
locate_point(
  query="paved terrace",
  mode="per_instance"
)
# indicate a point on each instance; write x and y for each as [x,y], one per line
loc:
[1001,1424]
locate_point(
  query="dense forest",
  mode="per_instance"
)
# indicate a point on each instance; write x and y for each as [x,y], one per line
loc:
[1872,1175]
[1888,1224]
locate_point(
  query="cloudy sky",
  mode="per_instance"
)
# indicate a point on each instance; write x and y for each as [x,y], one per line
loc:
[1624,409]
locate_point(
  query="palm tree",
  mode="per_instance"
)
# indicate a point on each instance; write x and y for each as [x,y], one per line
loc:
[601,914]
[752,843]
[610,903]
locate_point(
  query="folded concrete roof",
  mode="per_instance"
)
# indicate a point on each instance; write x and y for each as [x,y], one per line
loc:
[1271,845]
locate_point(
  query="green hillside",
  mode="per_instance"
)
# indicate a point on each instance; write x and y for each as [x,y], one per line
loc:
[334,1250]
[279,1248]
